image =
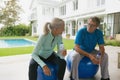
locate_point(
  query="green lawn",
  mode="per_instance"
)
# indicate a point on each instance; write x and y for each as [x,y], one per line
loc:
[15,51]
[28,50]
[69,44]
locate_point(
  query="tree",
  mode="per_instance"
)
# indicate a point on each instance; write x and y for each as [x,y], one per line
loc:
[10,13]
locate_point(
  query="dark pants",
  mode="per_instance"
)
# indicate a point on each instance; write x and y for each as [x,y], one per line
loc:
[54,59]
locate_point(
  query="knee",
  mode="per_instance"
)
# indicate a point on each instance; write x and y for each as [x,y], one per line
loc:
[75,57]
[106,56]
[63,62]
[33,64]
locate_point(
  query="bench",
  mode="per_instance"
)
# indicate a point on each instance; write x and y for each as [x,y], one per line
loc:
[118,59]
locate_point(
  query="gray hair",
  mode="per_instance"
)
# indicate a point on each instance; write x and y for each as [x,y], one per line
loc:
[96,20]
[56,23]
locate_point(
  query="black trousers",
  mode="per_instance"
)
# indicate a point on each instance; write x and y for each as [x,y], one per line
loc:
[54,59]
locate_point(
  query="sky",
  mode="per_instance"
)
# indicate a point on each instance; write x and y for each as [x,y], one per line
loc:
[26,12]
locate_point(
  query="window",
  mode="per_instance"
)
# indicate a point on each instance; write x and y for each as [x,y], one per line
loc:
[62,10]
[75,5]
[34,29]
[47,11]
[100,2]
[67,29]
[73,28]
[34,25]
[116,22]
[109,23]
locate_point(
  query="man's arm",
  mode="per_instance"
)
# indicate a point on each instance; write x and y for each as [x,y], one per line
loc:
[102,50]
[82,52]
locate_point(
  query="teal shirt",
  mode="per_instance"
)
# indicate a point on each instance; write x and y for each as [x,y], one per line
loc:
[45,47]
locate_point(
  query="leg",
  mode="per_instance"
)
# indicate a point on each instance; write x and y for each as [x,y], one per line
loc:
[61,63]
[61,66]
[74,66]
[33,70]
[61,70]
[104,67]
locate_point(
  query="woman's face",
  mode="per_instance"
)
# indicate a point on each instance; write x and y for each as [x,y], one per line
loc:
[58,31]
[92,26]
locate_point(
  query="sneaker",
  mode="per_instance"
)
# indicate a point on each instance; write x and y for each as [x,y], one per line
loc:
[105,79]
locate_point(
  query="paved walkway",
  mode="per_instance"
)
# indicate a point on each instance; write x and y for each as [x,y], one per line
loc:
[16,67]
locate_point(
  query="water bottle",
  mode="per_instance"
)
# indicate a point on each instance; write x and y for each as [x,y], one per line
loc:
[61,48]
[98,55]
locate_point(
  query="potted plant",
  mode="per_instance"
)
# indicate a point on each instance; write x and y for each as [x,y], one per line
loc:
[68,36]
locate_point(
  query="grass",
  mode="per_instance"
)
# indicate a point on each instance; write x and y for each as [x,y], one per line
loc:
[15,51]
[28,50]
[68,43]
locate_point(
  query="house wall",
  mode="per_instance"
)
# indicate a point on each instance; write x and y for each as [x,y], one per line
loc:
[112,6]
[76,18]
[85,10]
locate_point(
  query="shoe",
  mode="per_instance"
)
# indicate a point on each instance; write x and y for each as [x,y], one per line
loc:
[71,78]
[105,79]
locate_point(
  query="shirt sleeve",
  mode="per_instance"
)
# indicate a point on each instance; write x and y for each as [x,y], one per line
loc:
[79,37]
[58,45]
[100,38]
[35,54]
[59,42]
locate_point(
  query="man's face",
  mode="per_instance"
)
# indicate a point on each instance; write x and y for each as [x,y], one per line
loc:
[92,26]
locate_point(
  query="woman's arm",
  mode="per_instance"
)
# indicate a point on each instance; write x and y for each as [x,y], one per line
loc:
[35,53]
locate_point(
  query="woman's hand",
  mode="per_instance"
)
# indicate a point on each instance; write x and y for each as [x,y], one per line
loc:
[46,70]
[94,59]
[64,52]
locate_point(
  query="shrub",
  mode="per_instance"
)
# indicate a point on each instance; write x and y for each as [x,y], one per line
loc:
[18,30]
[112,42]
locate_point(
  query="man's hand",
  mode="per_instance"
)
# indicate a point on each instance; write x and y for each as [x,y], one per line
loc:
[94,59]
